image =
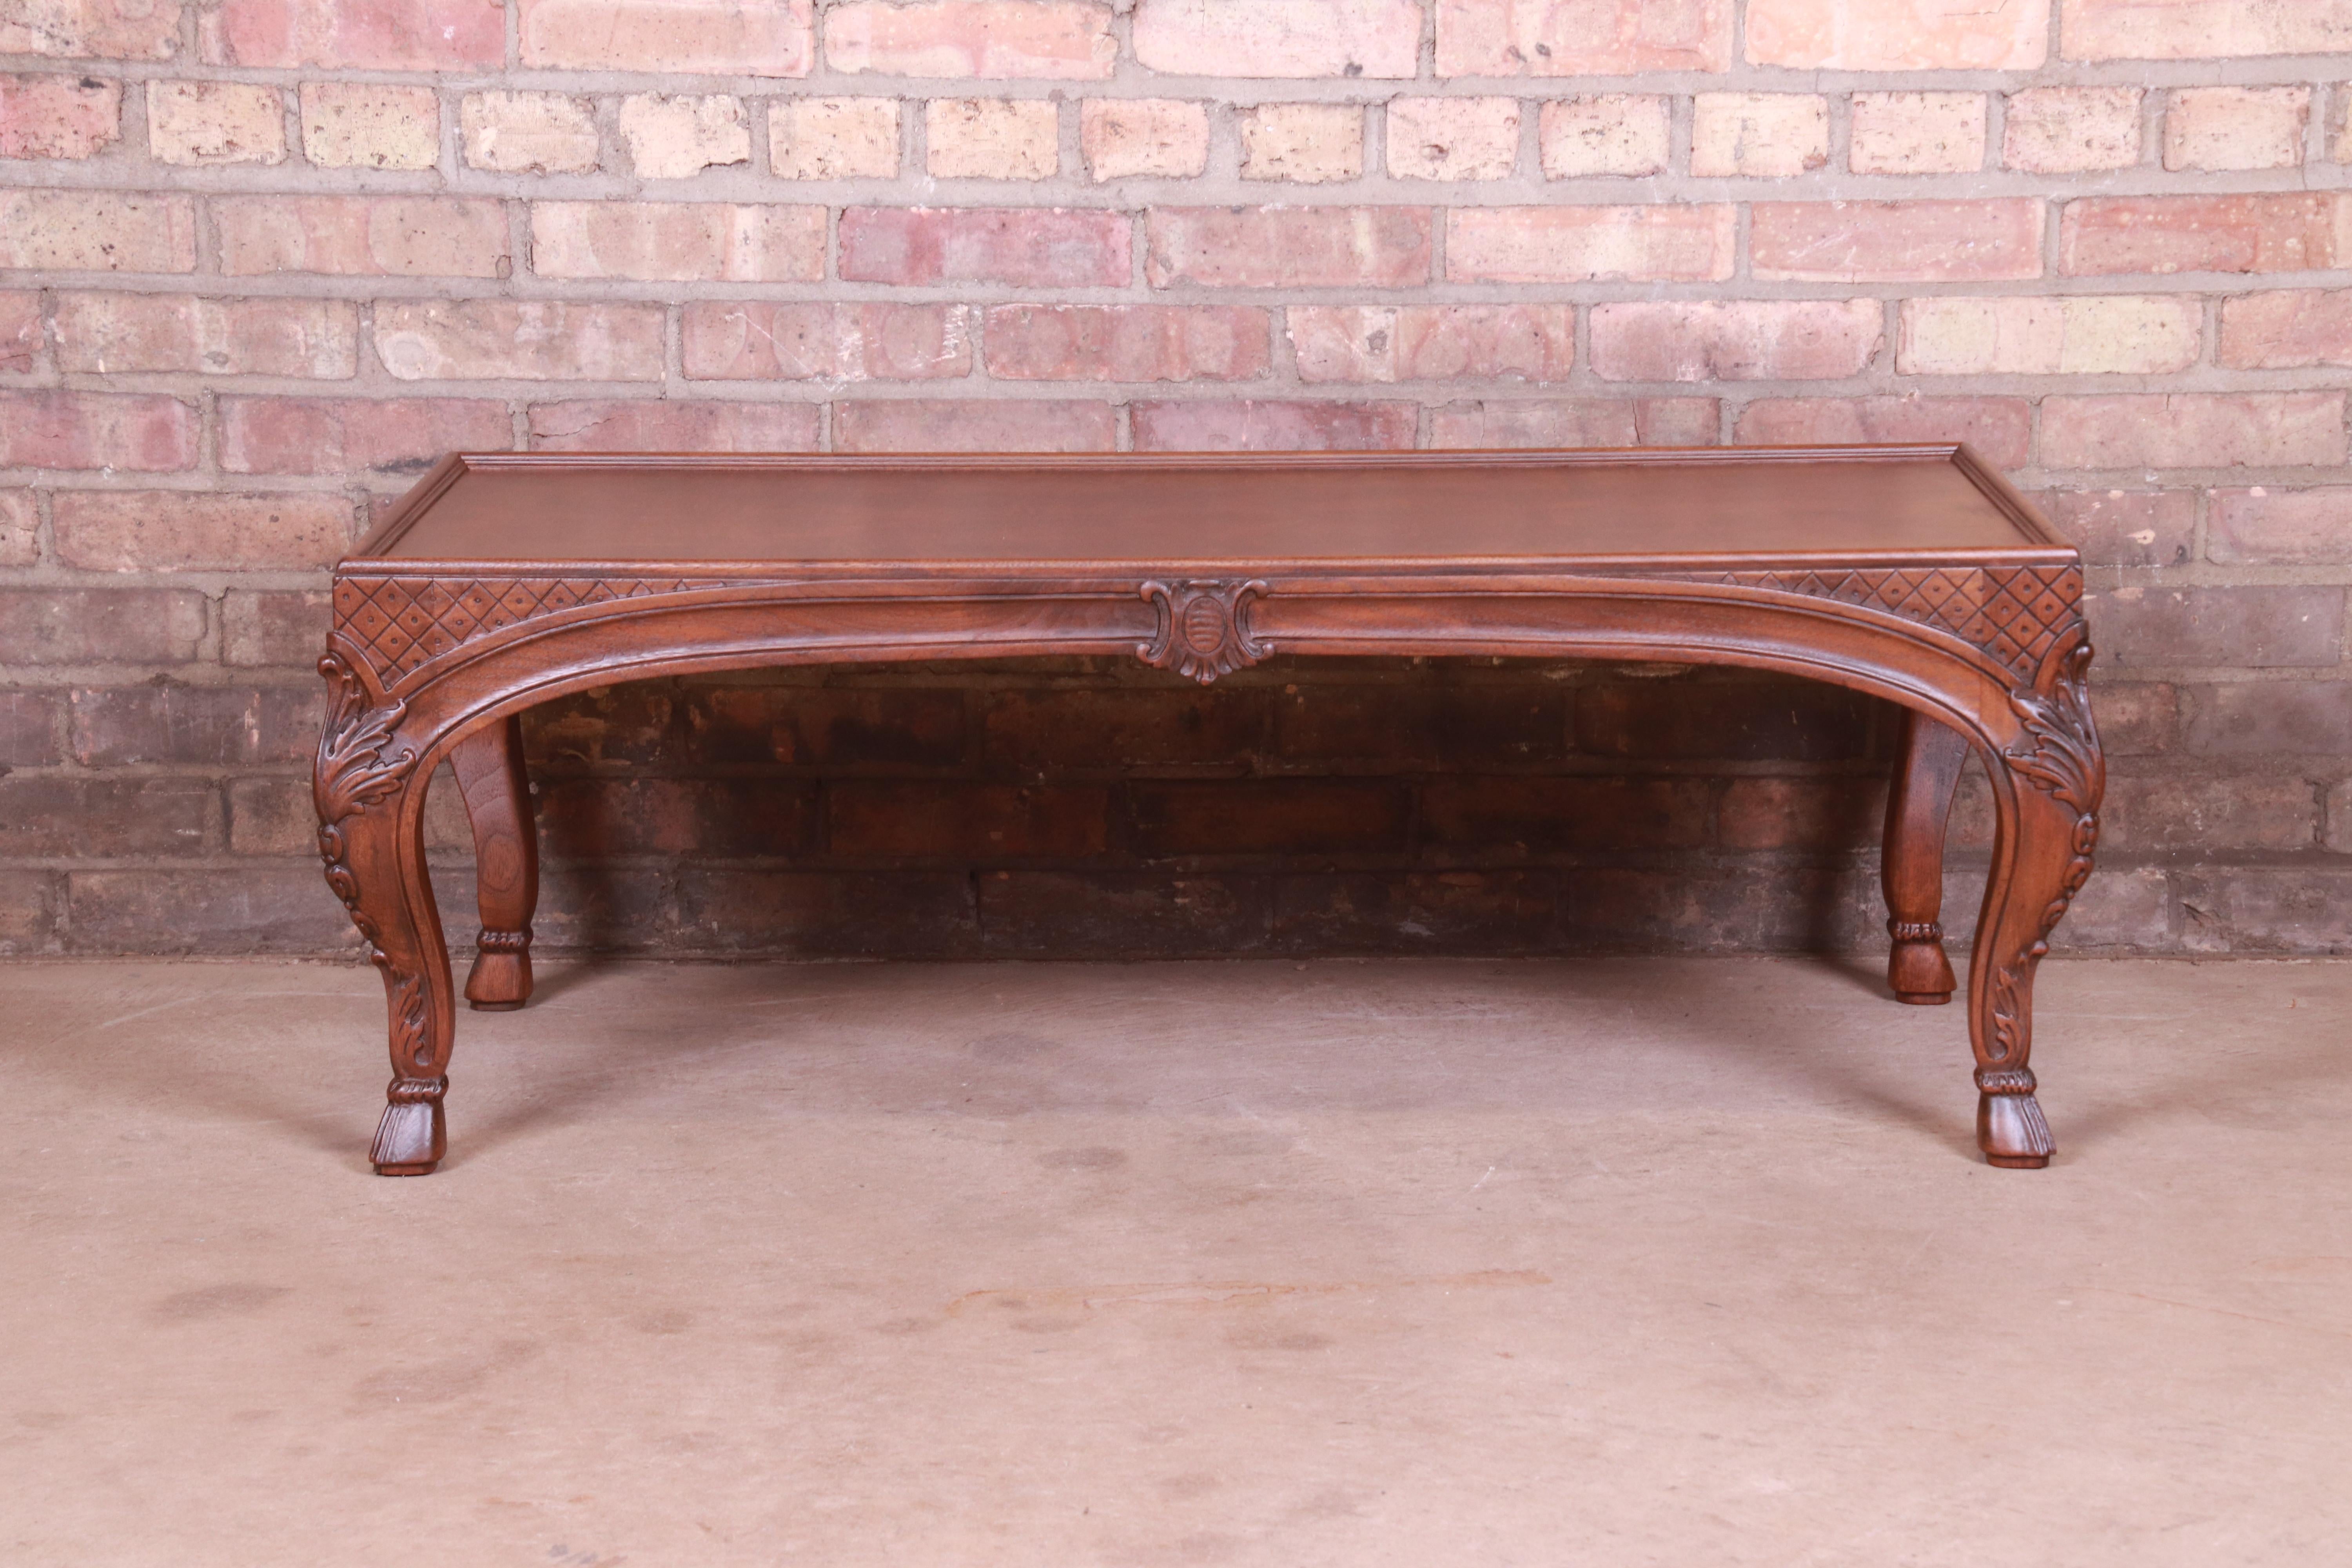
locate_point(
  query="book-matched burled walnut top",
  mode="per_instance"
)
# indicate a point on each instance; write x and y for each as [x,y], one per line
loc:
[1892,504]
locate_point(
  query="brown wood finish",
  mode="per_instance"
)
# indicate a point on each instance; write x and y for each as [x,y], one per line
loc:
[1909,573]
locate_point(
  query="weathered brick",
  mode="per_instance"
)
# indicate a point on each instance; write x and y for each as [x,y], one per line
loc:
[1282,816]
[58,116]
[1065,40]
[1290,38]
[1274,425]
[271,817]
[69,816]
[2291,716]
[675,137]
[2265,909]
[1480,911]
[1578,421]
[260,908]
[705,37]
[20,524]
[370,125]
[2072,130]
[1127,342]
[97,29]
[2247,627]
[1132,138]
[1871,35]
[832,138]
[2125,528]
[759,339]
[817,914]
[48,429]
[1896,242]
[112,334]
[21,335]
[1420,342]
[1452,138]
[413,237]
[677,241]
[269,627]
[527,133]
[89,626]
[343,434]
[944,425]
[1517,816]
[1308,143]
[993,138]
[2123,907]
[195,531]
[1153,728]
[2203,29]
[2338,835]
[2285,329]
[1918,133]
[1746,339]
[630,725]
[1767,135]
[525,340]
[601,817]
[1619,134]
[1414,723]
[30,723]
[1580,244]
[202,122]
[2082,334]
[2264,526]
[1028,247]
[2001,429]
[943,819]
[2192,430]
[2282,232]
[1582,38]
[1814,814]
[1281,247]
[2136,718]
[221,725]
[668,425]
[30,902]
[97,231]
[2235,127]
[1115,913]
[356,35]
[2168,814]
[1795,721]
[841,729]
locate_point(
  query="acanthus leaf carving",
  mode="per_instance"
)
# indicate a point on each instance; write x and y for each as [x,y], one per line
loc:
[1204,630]
[357,768]
[2060,756]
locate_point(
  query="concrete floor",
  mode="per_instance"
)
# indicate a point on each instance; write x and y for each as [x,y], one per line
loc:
[1616,1263]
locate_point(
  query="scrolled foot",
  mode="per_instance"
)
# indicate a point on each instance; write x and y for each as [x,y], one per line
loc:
[499,981]
[2010,1126]
[1915,966]
[411,1137]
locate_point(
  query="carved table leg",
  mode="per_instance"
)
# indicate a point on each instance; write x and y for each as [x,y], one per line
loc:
[497,787]
[1911,865]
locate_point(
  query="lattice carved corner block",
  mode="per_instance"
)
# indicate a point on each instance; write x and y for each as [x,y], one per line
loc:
[403,624]
[2015,614]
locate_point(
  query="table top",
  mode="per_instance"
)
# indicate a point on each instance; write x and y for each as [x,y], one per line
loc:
[1900,505]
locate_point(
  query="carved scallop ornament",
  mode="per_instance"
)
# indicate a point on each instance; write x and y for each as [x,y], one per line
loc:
[1203,627]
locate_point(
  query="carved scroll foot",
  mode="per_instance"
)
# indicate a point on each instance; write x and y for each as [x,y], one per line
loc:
[2010,1127]
[411,1137]
[499,981]
[1916,965]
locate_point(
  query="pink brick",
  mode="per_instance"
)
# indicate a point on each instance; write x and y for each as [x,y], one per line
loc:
[2204,29]
[1896,242]
[833,138]
[1432,342]
[1273,248]
[97,231]
[96,430]
[20,526]
[2079,334]
[2192,430]
[1066,40]
[1312,143]
[1765,135]
[1126,138]
[2266,527]
[2286,328]
[1918,133]
[1613,133]
[708,37]
[2125,528]
[1745,340]
[370,125]
[522,340]
[413,237]
[1452,138]
[357,35]
[58,116]
[203,123]
[992,138]
[1127,342]
[92,29]
[1578,421]
[354,435]
[1919,34]
[1035,247]
[527,133]
[2072,130]
[2235,127]
[1266,424]
[677,241]
[2278,232]
[1379,38]
[1574,245]
[1582,38]
[20,330]
[183,531]
[665,424]
[1001,425]
[2000,429]
[764,340]
[111,333]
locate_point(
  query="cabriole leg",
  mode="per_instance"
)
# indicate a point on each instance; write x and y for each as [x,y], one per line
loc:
[497,787]
[1911,863]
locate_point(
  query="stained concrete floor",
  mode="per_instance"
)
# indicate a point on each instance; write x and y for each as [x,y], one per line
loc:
[1610,1263]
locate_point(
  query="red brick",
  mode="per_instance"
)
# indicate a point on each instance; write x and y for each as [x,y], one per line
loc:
[1124,138]
[29,902]
[677,241]
[706,38]
[1110,914]
[2206,815]
[1578,421]
[1582,38]
[2192,430]
[1269,424]
[1729,721]
[410,237]
[1376,38]
[1452,138]
[947,424]
[1289,817]
[96,430]
[1517,816]
[20,526]
[58,116]
[215,123]
[2136,718]
[1155,728]
[220,725]
[91,625]
[200,531]
[1872,36]
[628,725]
[522,340]
[1127,342]
[1286,247]
[103,29]
[667,425]
[344,434]
[2072,130]
[261,908]
[2252,628]
[2291,717]
[20,330]
[30,722]
[2282,232]
[2262,527]
[97,231]
[1066,40]
[1820,814]
[818,914]
[2286,329]
[1469,912]
[1427,343]
[356,35]
[1416,723]
[2125,528]
[838,728]
[1042,248]
[1699,909]
[992,138]
[600,817]
[1767,135]
[762,340]
[1896,242]
[2260,908]
[2001,429]
[267,627]
[69,816]
[272,816]
[2236,127]
[2203,29]
[1748,340]
[917,819]
[1579,244]
[112,334]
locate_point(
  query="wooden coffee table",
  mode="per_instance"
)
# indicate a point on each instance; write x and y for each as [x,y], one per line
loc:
[1911,572]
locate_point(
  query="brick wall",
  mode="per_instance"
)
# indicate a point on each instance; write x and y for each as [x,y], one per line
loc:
[261,261]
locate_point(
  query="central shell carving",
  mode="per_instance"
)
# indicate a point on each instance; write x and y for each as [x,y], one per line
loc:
[1203,627]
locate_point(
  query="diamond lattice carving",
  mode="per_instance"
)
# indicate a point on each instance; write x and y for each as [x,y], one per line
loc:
[404,624]
[2014,613]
